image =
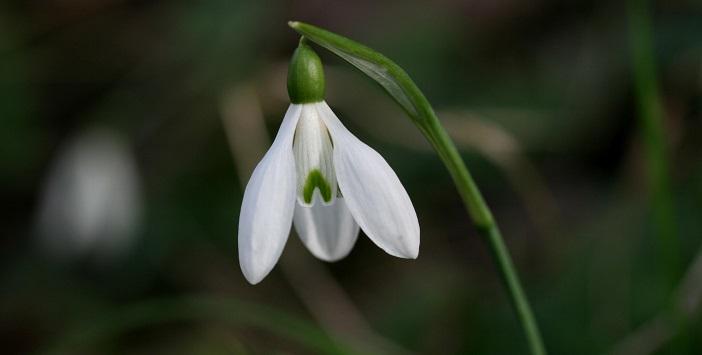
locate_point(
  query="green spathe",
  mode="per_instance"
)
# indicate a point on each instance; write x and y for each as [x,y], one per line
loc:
[315,180]
[305,75]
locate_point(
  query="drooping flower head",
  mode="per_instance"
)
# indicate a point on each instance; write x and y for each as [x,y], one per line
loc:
[323,180]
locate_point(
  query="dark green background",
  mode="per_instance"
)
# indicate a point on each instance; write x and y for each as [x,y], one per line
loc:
[555,76]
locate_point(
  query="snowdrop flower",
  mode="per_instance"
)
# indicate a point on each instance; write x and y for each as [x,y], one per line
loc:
[321,178]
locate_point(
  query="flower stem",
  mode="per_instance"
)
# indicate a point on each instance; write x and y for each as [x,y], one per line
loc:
[397,83]
[485,223]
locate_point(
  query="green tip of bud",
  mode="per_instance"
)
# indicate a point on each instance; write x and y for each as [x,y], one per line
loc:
[305,75]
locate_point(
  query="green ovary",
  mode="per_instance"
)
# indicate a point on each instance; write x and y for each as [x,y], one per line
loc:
[314,180]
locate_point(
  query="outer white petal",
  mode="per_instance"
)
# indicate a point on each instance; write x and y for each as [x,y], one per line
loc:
[328,231]
[268,205]
[373,193]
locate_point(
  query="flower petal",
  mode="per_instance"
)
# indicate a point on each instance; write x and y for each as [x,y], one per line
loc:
[328,230]
[313,151]
[373,193]
[268,204]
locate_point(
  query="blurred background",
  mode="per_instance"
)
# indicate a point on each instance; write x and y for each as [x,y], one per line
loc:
[130,127]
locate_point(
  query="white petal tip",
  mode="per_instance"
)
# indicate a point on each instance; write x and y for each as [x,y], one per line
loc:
[253,281]
[413,256]
[330,258]
[254,277]
[256,266]
[411,253]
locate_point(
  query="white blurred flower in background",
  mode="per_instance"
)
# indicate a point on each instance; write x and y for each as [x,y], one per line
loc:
[91,202]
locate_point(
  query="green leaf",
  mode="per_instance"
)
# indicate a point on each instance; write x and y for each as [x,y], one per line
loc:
[378,67]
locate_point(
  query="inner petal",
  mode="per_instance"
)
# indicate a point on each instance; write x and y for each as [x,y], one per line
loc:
[313,158]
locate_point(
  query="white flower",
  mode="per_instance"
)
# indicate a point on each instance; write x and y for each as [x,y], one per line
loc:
[92,200]
[321,178]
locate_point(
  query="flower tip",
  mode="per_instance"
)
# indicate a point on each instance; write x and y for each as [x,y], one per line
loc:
[413,254]
[253,278]
[253,282]
[411,249]
[294,24]
[254,272]
[404,252]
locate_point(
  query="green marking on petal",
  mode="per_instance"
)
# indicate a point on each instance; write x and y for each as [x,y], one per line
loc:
[315,179]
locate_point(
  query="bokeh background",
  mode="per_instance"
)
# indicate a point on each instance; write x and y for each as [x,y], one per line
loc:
[129,128]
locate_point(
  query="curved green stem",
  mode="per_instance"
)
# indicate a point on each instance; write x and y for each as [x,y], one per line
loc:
[485,223]
[397,83]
